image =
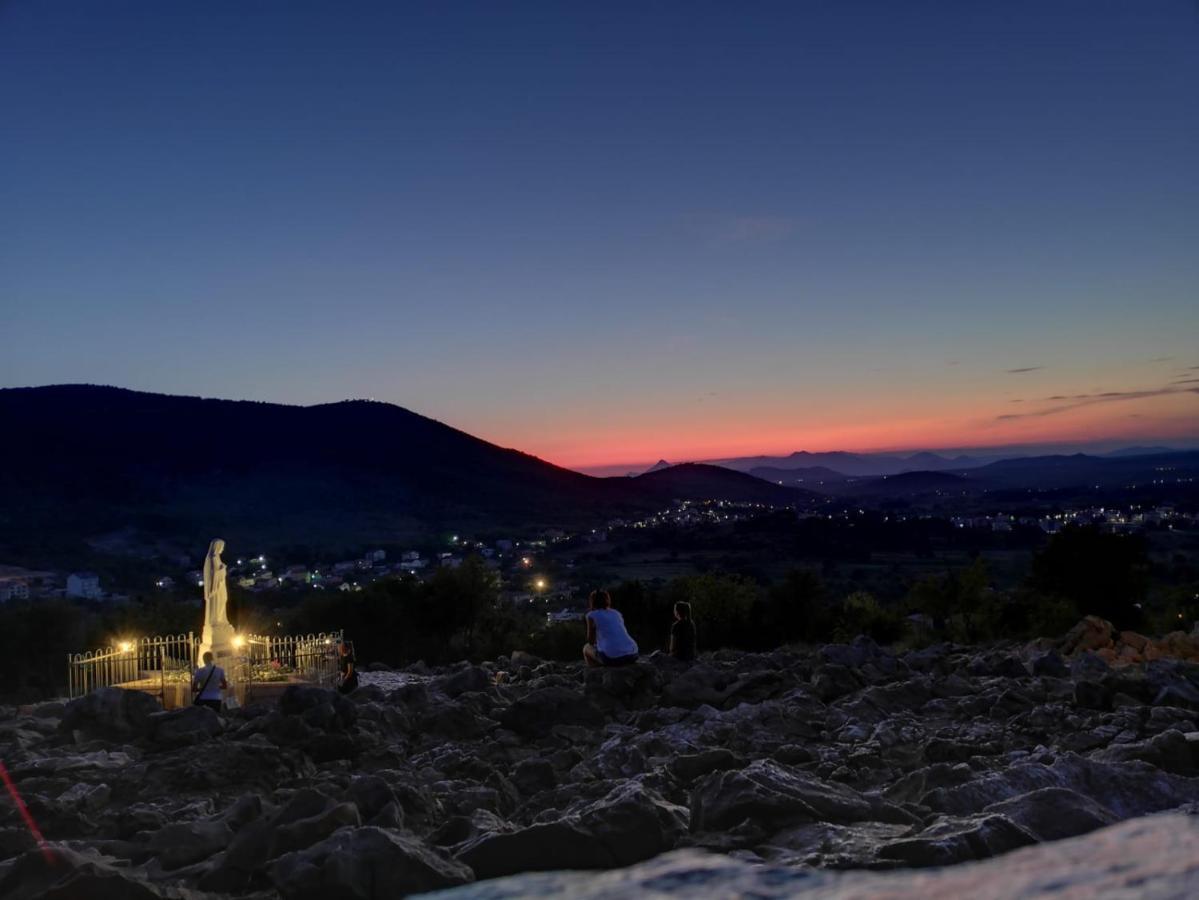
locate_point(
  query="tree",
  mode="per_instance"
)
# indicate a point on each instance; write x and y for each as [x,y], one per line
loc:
[1101,573]
[957,601]
[796,609]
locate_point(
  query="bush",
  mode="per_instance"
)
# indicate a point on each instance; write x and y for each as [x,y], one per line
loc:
[862,614]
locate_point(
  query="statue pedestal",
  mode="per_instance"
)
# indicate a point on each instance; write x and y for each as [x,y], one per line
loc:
[219,639]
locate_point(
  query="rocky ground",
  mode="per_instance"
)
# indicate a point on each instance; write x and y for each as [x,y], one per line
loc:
[788,764]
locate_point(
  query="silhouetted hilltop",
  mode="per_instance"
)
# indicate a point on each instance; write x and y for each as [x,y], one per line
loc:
[83,459]
[700,481]
[811,477]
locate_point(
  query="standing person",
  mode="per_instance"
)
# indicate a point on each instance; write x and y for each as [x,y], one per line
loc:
[208,683]
[347,665]
[682,633]
[608,641]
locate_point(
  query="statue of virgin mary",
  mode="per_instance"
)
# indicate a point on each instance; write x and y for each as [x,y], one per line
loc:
[215,595]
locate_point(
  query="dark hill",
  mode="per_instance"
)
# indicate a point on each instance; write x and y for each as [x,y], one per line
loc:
[700,481]
[909,484]
[812,477]
[82,460]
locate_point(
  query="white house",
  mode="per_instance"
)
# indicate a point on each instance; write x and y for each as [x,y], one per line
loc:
[13,589]
[85,585]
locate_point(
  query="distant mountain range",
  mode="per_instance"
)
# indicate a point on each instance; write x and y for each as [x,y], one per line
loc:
[83,460]
[857,464]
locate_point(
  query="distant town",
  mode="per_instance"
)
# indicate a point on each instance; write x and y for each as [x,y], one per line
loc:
[522,565]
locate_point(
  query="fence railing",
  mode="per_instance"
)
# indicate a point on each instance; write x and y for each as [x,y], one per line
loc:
[307,657]
[130,661]
[153,661]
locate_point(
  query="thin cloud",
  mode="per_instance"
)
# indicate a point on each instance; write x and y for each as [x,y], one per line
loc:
[1025,369]
[1092,399]
[1186,381]
[1161,359]
[749,229]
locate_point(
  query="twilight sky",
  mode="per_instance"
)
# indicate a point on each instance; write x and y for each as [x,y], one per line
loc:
[607,233]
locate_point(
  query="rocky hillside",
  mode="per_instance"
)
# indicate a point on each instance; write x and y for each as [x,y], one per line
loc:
[842,757]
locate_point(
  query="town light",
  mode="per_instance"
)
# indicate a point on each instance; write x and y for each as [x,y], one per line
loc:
[238,641]
[539,584]
[125,646]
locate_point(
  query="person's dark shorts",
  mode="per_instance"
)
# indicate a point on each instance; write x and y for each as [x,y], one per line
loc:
[614,661]
[214,705]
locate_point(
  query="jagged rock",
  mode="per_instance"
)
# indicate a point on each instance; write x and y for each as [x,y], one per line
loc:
[520,658]
[371,793]
[541,710]
[1050,665]
[319,708]
[768,793]
[691,766]
[1092,633]
[180,727]
[305,832]
[61,873]
[364,864]
[956,841]
[111,713]
[1050,814]
[1169,751]
[470,678]
[627,825]
[85,797]
[832,681]
[1146,858]
[184,843]
[533,775]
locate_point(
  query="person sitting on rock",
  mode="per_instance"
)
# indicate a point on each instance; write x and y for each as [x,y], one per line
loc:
[347,665]
[208,683]
[682,633]
[608,641]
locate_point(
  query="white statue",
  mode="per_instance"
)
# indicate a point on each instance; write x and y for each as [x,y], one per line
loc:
[218,632]
[216,598]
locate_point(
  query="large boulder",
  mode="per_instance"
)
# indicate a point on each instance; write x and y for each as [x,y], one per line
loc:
[1092,633]
[1050,814]
[538,712]
[770,794]
[1152,857]
[318,707]
[365,864]
[183,843]
[627,825]
[180,727]
[58,872]
[465,680]
[111,713]
[958,840]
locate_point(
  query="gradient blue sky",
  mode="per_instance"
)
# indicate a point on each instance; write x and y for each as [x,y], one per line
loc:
[613,232]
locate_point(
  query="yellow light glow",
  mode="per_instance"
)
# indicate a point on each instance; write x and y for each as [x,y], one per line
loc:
[126,646]
[539,584]
[238,641]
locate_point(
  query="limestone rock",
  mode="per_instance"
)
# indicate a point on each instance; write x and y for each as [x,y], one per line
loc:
[364,864]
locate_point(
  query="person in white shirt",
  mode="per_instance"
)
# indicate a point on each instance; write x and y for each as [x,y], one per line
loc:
[208,684]
[608,641]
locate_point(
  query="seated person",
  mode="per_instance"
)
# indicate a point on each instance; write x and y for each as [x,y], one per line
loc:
[608,641]
[347,667]
[682,633]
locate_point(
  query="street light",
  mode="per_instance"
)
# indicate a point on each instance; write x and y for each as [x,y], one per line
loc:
[125,646]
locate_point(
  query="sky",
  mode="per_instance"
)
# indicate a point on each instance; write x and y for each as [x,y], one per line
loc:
[607,233]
